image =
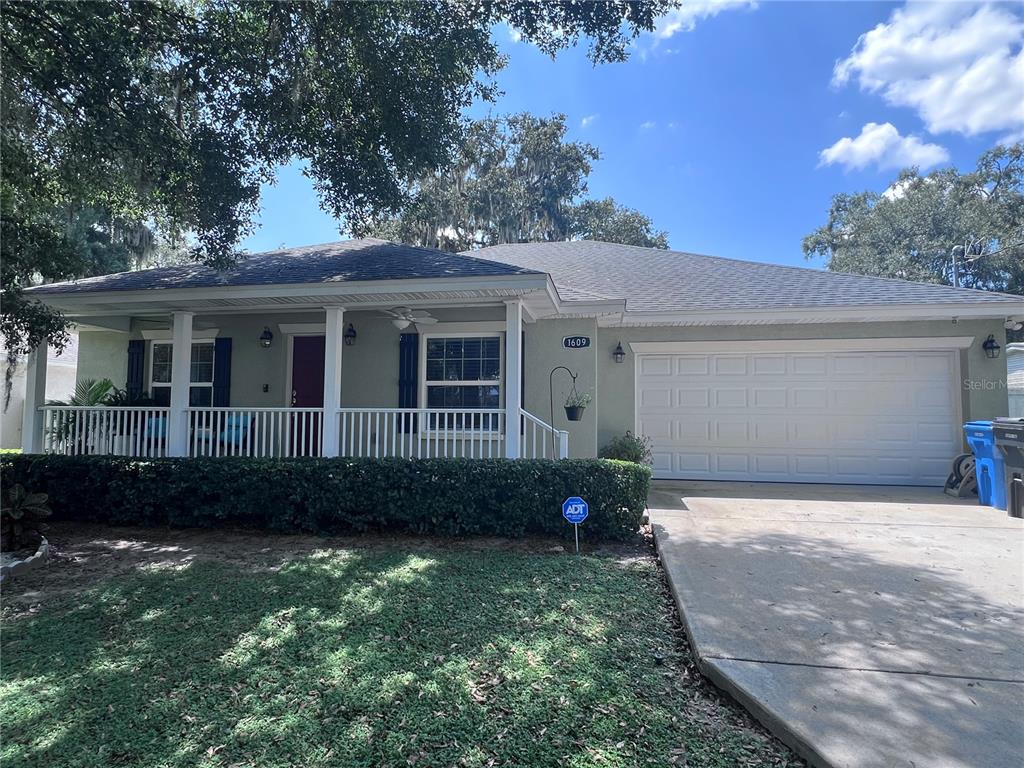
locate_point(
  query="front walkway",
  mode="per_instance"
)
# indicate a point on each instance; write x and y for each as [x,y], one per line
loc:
[866,626]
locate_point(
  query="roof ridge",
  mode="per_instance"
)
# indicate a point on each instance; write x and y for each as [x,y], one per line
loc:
[733,260]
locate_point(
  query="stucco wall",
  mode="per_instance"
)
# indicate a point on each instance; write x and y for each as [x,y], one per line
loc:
[983,388]
[542,351]
[103,355]
[370,367]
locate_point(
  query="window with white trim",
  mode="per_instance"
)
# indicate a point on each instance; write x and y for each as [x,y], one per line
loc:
[463,372]
[200,392]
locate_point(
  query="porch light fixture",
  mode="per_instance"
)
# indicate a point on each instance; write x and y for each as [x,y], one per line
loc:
[401,323]
[991,347]
[349,335]
[266,338]
[619,354]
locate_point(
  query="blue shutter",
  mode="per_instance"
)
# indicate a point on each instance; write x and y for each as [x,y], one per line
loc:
[408,371]
[136,377]
[221,373]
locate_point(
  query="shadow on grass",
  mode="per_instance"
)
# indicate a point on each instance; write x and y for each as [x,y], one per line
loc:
[363,659]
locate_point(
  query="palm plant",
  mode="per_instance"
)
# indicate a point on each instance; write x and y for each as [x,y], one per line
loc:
[88,393]
[22,513]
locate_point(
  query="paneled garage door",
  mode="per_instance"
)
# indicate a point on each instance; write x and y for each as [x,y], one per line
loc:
[839,417]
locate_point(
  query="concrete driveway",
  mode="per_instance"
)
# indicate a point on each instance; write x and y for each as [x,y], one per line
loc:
[867,626]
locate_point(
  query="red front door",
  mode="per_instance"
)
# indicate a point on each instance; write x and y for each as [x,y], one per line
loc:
[307,392]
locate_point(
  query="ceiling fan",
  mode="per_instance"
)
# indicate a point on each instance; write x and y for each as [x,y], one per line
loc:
[404,317]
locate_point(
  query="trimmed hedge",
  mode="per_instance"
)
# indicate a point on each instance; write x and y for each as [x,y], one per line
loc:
[453,497]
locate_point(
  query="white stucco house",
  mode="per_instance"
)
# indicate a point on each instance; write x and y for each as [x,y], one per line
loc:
[1015,378]
[60,385]
[735,370]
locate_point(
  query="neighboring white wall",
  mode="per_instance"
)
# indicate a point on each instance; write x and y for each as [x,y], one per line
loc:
[60,385]
[1015,378]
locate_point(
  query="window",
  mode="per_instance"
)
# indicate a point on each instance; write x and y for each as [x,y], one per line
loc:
[200,392]
[463,372]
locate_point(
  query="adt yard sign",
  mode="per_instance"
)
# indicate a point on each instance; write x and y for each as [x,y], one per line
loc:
[575,510]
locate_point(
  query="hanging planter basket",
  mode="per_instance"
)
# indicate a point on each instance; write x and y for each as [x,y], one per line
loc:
[574,412]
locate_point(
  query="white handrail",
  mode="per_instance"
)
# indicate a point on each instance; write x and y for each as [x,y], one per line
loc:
[142,431]
[556,439]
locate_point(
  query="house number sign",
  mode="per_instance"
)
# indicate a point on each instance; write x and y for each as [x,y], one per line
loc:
[576,342]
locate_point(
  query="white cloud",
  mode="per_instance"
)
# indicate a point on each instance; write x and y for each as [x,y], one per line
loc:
[685,17]
[646,126]
[881,145]
[959,65]
[587,121]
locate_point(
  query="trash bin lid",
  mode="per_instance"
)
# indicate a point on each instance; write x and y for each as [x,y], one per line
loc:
[1008,431]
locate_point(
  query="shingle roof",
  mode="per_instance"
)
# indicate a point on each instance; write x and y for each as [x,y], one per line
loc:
[654,280]
[348,261]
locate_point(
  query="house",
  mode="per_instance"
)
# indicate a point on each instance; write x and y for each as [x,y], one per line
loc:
[60,385]
[735,370]
[1015,378]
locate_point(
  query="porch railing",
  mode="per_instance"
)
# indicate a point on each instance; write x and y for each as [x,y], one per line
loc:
[422,433]
[282,432]
[297,432]
[87,430]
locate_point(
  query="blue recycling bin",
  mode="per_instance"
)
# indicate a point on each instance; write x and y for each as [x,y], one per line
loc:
[989,466]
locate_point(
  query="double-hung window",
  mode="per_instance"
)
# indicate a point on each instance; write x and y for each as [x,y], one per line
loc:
[464,373]
[200,392]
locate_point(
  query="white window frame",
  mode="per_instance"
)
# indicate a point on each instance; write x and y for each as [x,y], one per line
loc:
[499,382]
[152,358]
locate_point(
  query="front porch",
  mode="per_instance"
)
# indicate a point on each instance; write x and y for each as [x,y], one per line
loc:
[295,385]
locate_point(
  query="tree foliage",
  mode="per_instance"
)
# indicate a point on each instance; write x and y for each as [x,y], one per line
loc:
[514,179]
[610,222]
[173,113]
[921,224]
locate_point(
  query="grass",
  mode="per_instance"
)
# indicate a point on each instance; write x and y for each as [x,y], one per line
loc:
[353,657]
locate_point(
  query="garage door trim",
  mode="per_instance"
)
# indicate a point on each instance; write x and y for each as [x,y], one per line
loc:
[884,344]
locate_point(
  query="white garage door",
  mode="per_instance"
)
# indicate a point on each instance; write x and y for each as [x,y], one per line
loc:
[840,417]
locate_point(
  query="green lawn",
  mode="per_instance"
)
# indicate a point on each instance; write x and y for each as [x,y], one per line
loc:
[353,657]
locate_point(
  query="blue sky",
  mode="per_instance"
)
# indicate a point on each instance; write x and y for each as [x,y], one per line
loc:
[736,122]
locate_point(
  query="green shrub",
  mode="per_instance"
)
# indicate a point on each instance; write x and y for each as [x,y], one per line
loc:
[628,447]
[454,497]
[21,516]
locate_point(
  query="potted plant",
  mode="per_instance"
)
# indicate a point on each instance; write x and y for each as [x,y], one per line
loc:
[575,404]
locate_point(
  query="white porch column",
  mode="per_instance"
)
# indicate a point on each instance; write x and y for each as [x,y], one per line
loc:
[513,375]
[333,342]
[181,367]
[35,397]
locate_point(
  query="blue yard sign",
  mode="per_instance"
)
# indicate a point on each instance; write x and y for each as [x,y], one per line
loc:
[575,510]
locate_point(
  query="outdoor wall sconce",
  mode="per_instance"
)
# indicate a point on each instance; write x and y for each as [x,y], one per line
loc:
[991,347]
[266,338]
[619,354]
[349,335]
